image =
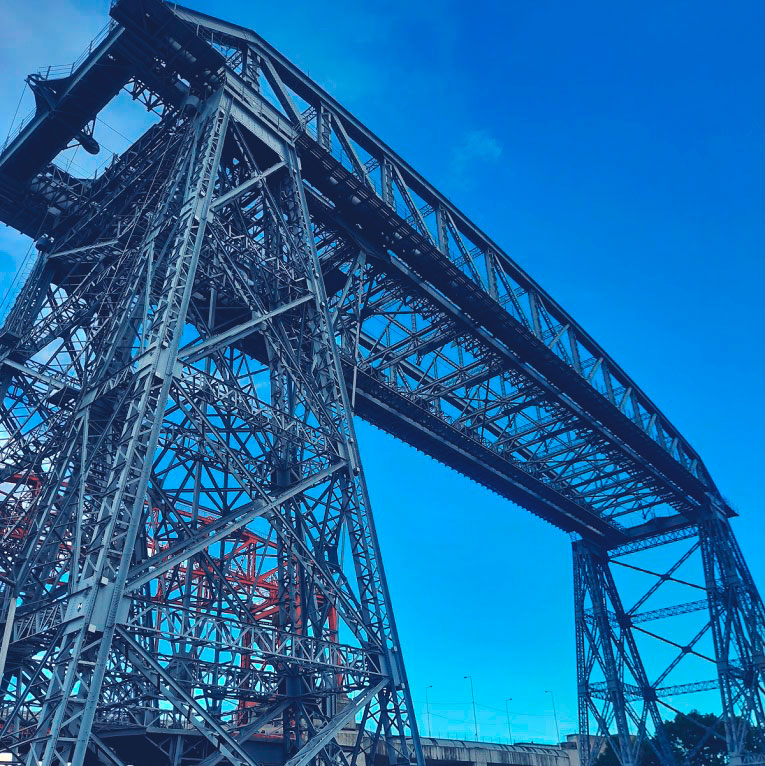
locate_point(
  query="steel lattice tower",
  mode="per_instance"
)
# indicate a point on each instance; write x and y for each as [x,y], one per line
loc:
[189,566]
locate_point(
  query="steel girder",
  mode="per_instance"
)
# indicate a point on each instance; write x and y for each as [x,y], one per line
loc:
[435,269]
[373,194]
[179,372]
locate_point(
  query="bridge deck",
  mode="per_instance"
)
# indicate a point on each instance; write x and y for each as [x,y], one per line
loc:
[488,374]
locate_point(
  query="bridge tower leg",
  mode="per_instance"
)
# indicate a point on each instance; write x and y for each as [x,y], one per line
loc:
[605,647]
[191,390]
[619,702]
[102,537]
[738,626]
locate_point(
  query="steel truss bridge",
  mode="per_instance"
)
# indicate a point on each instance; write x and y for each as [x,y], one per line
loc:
[189,566]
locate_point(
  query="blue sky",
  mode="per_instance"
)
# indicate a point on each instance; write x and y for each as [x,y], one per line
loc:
[617,152]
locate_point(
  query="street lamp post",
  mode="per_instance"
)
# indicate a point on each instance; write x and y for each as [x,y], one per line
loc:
[427,709]
[507,710]
[472,694]
[555,713]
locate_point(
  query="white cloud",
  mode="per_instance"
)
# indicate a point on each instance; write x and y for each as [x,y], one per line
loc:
[476,147]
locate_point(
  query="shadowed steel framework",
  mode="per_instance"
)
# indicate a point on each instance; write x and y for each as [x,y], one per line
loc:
[189,566]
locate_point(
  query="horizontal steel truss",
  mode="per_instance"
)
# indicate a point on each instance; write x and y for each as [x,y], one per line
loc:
[482,304]
[142,446]
[457,328]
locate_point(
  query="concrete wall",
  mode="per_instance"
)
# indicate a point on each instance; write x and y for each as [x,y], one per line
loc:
[455,752]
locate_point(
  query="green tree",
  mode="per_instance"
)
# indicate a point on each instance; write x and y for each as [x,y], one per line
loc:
[684,732]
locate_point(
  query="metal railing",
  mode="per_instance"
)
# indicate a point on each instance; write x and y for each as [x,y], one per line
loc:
[57,72]
[66,70]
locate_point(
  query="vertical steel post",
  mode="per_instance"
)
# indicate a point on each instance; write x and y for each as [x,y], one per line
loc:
[605,646]
[738,626]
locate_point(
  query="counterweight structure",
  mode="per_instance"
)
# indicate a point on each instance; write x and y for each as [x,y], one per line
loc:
[190,571]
